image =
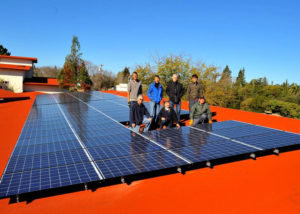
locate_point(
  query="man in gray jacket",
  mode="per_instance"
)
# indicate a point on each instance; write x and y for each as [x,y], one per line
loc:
[193,91]
[134,90]
[200,112]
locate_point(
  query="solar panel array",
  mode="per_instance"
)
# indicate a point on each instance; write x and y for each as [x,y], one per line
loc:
[77,138]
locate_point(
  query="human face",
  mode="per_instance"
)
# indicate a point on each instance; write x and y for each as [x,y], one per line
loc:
[156,80]
[167,104]
[174,77]
[134,76]
[201,101]
[194,79]
[140,100]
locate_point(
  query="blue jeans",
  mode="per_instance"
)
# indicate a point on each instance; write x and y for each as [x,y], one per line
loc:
[146,122]
[202,119]
[191,103]
[177,108]
[154,109]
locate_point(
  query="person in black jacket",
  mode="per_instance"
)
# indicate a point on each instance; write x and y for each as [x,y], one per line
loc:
[175,91]
[137,113]
[167,116]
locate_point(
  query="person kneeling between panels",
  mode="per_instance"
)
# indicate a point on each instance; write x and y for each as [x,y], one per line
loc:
[200,112]
[137,115]
[167,116]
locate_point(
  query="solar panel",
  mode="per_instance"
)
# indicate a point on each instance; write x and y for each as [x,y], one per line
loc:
[77,138]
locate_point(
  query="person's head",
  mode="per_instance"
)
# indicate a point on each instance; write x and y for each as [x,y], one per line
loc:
[134,75]
[140,99]
[167,103]
[202,100]
[194,78]
[156,79]
[174,77]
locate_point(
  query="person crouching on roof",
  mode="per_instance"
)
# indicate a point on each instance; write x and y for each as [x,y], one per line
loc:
[200,112]
[137,115]
[167,116]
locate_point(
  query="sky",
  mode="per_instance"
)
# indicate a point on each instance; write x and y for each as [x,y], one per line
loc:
[262,36]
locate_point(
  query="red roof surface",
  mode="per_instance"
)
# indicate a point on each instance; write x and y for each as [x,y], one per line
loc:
[50,82]
[15,67]
[9,94]
[268,185]
[19,57]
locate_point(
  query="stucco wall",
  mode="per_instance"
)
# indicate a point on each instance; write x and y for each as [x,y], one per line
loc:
[26,62]
[15,79]
[42,88]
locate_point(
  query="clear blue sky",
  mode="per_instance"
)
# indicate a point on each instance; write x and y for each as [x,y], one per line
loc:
[261,35]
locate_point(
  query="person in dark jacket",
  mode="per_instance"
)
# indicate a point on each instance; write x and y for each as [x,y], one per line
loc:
[137,113]
[167,116]
[175,92]
[155,94]
[193,91]
[200,112]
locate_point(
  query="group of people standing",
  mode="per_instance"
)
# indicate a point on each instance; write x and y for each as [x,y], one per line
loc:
[169,114]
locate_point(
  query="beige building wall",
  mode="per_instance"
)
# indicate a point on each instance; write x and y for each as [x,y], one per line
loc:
[14,78]
[43,88]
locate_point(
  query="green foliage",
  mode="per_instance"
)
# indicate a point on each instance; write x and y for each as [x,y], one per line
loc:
[122,76]
[219,88]
[74,72]
[4,51]
[285,109]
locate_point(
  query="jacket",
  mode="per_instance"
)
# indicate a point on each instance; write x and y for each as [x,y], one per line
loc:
[171,115]
[155,94]
[197,110]
[134,89]
[137,113]
[193,91]
[175,91]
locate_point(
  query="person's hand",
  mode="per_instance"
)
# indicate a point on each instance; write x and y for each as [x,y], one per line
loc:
[133,125]
[163,118]
[191,122]
[150,119]
[210,122]
[177,125]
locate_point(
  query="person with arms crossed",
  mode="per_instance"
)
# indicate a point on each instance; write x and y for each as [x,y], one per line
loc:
[193,91]
[175,92]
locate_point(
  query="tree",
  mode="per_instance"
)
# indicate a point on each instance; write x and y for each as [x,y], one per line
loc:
[4,51]
[226,74]
[46,71]
[122,76]
[240,80]
[74,72]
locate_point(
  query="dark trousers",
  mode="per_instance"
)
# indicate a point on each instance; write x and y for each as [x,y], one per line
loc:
[167,123]
[130,109]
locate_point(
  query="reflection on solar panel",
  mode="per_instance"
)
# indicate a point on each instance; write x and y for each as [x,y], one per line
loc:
[77,138]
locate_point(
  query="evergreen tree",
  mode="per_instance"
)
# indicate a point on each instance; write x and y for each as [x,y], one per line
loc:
[74,73]
[240,80]
[4,51]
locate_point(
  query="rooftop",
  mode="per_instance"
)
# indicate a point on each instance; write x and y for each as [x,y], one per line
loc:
[269,184]
[20,57]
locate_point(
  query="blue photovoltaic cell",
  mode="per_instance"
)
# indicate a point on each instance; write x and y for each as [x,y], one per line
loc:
[66,135]
[199,146]
[46,178]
